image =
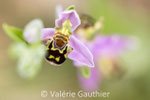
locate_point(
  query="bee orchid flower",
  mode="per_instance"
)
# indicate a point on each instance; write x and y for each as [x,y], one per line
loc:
[61,44]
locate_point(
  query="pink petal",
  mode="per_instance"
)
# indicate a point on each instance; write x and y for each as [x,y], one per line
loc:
[80,52]
[47,32]
[68,15]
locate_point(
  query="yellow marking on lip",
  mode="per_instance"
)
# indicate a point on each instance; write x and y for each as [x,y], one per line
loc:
[47,47]
[51,56]
[65,55]
[57,59]
[60,51]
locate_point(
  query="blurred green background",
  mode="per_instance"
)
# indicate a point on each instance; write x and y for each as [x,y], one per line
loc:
[130,17]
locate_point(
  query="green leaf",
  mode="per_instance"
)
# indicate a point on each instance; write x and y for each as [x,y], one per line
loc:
[14,33]
[85,71]
[71,7]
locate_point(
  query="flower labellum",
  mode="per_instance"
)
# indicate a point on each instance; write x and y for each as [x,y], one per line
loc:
[57,48]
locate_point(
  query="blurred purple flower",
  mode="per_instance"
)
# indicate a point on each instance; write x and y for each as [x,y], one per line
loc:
[101,46]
